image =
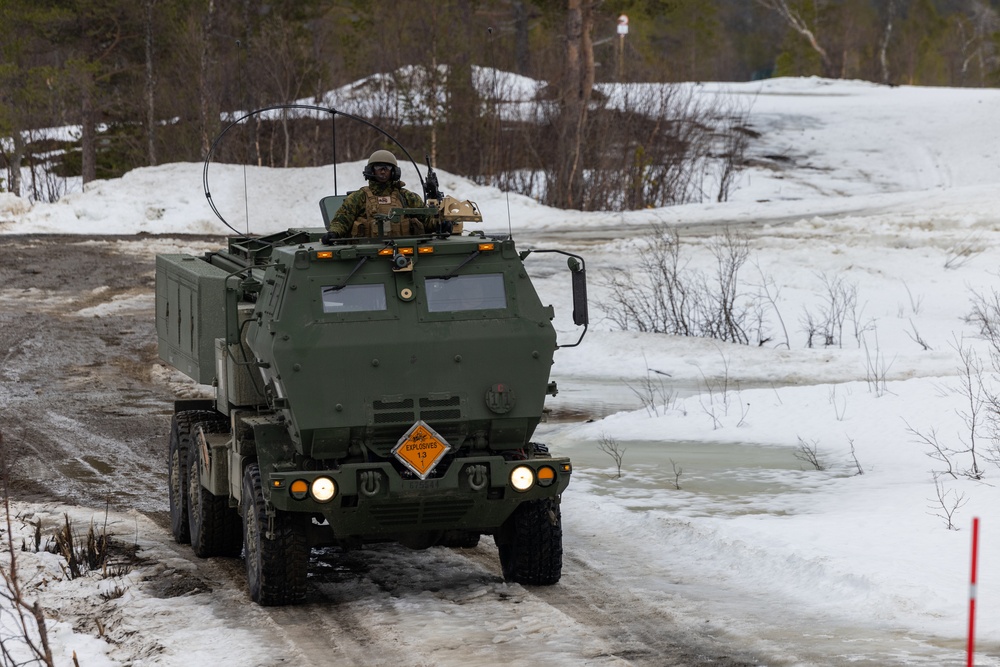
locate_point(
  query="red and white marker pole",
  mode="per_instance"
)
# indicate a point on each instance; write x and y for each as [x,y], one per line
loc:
[972,593]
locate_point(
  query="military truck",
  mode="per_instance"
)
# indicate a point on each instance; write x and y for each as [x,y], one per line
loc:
[370,390]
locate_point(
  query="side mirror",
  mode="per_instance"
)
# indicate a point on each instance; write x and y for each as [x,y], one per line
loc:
[581,316]
[579,272]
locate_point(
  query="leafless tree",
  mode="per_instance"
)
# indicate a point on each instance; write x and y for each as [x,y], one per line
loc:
[883,50]
[799,24]
[610,446]
[985,316]
[975,396]
[678,471]
[938,450]
[946,503]
[769,293]
[575,91]
[976,32]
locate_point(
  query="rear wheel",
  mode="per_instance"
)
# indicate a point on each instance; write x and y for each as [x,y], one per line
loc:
[214,526]
[277,562]
[530,543]
[177,459]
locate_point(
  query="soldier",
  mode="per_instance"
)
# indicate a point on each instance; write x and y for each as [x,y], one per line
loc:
[384,192]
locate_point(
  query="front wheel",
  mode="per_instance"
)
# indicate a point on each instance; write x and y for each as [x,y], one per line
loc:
[277,562]
[530,543]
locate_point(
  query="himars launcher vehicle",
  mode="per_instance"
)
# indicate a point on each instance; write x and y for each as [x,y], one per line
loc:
[371,390]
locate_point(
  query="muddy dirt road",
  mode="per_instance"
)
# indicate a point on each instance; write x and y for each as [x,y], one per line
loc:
[85,415]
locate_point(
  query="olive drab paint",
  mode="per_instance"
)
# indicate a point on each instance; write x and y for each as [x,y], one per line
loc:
[366,390]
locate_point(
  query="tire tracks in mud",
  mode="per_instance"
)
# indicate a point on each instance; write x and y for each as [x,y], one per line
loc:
[638,633]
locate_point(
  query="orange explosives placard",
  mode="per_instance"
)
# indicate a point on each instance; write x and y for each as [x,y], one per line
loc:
[420,449]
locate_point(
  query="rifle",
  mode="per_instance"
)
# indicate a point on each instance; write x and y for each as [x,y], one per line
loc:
[431,188]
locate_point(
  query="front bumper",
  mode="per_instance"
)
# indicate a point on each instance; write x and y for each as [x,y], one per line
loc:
[374,500]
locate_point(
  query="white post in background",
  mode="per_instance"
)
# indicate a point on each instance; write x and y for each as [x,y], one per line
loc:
[622,31]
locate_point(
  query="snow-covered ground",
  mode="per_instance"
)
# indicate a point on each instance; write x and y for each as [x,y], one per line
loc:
[893,192]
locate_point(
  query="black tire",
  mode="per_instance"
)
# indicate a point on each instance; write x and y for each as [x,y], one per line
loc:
[214,527]
[530,544]
[177,457]
[276,566]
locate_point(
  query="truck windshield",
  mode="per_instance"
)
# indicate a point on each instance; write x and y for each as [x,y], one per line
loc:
[470,292]
[354,298]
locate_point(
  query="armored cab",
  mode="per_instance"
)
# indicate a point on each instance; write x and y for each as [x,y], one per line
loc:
[376,389]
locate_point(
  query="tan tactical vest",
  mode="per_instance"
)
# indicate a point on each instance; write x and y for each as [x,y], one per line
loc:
[367,225]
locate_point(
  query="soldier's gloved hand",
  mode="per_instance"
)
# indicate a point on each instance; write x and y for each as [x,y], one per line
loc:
[328,238]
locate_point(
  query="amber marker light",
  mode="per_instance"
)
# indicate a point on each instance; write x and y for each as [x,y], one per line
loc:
[483,247]
[386,252]
[406,251]
[324,254]
[299,489]
[425,250]
[546,475]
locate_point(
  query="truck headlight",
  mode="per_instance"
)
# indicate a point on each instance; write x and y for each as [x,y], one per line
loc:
[323,489]
[522,478]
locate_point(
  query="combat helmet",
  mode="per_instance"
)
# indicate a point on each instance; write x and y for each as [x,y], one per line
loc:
[382,157]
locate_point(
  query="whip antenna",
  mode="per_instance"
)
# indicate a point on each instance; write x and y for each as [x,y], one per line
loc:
[500,141]
[246,154]
[333,124]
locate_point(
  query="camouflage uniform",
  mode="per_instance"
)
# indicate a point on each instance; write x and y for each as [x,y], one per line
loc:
[357,213]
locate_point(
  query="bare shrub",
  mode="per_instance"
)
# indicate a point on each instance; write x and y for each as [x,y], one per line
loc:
[946,503]
[917,338]
[720,393]
[652,391]
[808,452]
[840,305]
[876,366]
[839,410]
[678,471]
[643,146]
[734,140]
[964,250]
[985,316]
[975,398]
[114,593]
[768,293]
[82,556]
[854,457]
[976,415]
[29,634]
[916,302]
[610,446]
[938,451]
[663,295]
